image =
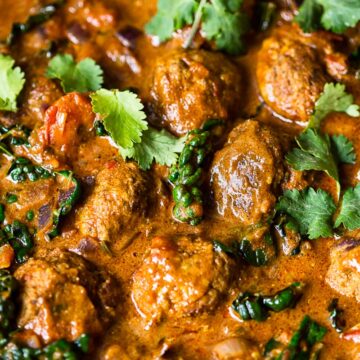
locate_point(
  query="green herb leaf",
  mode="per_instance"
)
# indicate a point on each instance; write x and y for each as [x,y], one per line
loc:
[12,81]
[333,98]
[344,149]
[340,15]
[310,210]
[221,21]
[158,146]
[349,214]
[314,153]
[82,77]
[309,16]
[171,16]
[224,23]
[334,15]
[123,115]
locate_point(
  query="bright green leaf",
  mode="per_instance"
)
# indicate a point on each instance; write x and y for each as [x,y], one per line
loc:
[340,15]
[11,83]
[82,77]
[171,16]
[158,146]
[349,214]
[333,15]
[314,153]
[344,149]
[123,115]
[334,98]
[309,16]
[225,24]
[311,210]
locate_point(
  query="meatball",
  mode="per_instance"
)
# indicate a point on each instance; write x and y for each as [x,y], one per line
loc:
[119,198]
[179,277]
[344,271]
[246,173]
[62,297]
[191,87]
[290,74]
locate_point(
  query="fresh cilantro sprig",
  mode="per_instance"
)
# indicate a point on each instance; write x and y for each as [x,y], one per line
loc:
[310,211]
[334,15]
[349,214]
[159,146]
[11,83]
[221,21]
[123,115]
[171,16]
[334,98]
[343,149]
[124,119]
[224,23]
[313,153]
[321,152]
[82,77]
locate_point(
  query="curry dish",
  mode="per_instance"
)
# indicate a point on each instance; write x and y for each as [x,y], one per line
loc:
[179,179]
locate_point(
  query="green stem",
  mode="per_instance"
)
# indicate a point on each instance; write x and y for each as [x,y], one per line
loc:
[196,25]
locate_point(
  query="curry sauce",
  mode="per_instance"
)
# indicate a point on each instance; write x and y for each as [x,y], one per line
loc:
[120,267]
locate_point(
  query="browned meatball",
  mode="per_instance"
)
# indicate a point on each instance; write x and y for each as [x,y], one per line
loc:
[246,173]
[62,297]
[119,198]
[290,74]
[344,271]
[191,87]
[180,277]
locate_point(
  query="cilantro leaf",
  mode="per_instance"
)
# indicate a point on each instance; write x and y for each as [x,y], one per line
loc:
[349,214]
[309,16]
[123,115]
[314,153]
[333,98]
[82,77]
[340,14]
[310,210]
[334,15]
[158,146]
[344,149]
[171,16]
[221,21]
[12,82]
[224,23]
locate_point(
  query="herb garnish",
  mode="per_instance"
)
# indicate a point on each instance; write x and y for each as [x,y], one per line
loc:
[334,98]
[334,15]
[159,146]
[82,77]
[221,21]
[12,81]
[349,214]
[309,211]
[124,119]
